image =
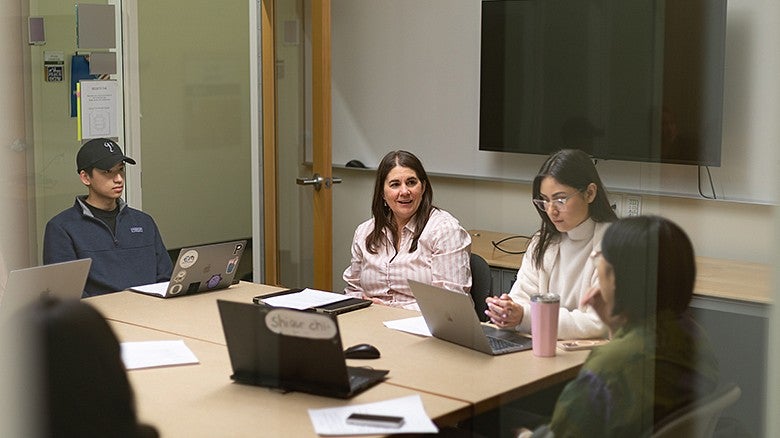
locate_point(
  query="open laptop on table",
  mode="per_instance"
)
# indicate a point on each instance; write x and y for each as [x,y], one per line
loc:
[198,269]
[450,315]
[291,350]
[64,280]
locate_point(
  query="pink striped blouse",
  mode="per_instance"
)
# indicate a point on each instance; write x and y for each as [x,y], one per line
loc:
[441,259]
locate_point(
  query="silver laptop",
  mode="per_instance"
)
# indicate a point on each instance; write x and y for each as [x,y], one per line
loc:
[64,280]
[198,269]
[450,315]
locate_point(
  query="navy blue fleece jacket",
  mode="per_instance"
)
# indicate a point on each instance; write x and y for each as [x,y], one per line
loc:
[132,256]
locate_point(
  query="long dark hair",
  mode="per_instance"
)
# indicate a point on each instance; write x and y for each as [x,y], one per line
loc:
[383,216]
[654,266]
[574,168]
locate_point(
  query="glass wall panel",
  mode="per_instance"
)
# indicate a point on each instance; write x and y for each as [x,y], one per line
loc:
[194,117]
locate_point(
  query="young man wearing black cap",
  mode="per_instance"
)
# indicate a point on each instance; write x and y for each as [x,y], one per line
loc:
[124,243]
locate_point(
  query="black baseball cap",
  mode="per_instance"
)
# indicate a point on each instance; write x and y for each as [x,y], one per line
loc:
[102,153]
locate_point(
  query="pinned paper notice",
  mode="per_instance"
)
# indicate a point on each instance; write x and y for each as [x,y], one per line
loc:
[98,109]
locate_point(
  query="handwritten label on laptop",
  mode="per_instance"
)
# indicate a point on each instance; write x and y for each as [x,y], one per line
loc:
[300,324]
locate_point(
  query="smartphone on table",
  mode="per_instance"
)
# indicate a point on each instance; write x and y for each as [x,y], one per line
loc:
[391,421]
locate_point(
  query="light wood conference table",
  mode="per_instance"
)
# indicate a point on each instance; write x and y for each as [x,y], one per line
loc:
[201,401]
[194,316]
[422,364]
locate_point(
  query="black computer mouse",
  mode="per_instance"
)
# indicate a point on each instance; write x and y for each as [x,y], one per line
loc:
[361,351]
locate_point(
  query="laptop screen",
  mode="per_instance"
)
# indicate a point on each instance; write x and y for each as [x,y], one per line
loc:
[284,348]
[63,280]
[207,267]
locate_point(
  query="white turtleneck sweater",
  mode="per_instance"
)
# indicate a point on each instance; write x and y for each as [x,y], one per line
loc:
[569,271]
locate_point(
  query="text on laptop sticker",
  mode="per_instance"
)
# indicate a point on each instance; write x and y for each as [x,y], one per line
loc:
[188,259]
[300,324]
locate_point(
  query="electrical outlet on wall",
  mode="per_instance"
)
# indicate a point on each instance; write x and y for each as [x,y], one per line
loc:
[632,205]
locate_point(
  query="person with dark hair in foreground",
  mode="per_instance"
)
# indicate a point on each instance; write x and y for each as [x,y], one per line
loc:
[659,359]
[83,388]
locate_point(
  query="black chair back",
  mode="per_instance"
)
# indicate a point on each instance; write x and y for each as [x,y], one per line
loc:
[481,284]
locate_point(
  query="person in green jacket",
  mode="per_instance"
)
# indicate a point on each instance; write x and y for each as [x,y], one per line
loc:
[659,359]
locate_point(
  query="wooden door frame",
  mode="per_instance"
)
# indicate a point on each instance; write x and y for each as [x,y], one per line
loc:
[321,144]
[270,172]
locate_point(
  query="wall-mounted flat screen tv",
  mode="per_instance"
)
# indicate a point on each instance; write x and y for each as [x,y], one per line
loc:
[635,80]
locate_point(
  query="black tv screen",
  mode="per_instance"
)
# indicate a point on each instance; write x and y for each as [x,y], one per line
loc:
[635,80]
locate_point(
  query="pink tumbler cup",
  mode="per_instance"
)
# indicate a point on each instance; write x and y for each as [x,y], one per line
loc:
[544,323]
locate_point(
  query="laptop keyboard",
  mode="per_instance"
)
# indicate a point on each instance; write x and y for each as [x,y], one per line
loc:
[498,344]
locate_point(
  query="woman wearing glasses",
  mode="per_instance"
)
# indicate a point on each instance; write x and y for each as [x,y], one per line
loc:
[575,212]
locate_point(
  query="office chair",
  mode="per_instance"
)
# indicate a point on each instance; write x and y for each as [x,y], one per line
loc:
[481,284]
[699,418]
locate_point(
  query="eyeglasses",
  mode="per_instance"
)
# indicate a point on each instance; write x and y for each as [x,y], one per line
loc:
[557,203]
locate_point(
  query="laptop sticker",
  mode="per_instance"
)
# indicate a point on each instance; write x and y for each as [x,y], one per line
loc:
[179,277]
[188,259]
[175,289]
[231,266]
[214,281]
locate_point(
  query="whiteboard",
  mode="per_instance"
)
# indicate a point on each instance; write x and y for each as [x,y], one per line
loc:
[406,76]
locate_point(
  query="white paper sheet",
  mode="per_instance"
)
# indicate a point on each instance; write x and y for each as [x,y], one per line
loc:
[415,325]
[305,299]
[158,289]
[333,421]
[148,354]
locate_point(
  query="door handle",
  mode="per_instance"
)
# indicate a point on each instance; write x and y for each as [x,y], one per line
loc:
[317,181]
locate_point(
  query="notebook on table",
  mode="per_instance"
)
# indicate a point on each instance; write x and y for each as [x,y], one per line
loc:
[198,269]
[64,281]
[290,350]
[450,316]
